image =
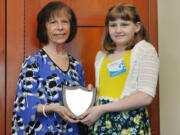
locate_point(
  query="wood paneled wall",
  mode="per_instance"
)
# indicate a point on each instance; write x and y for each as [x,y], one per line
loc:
[18,40]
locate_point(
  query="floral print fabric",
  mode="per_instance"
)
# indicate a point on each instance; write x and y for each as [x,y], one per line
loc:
[40,82]
[133,122]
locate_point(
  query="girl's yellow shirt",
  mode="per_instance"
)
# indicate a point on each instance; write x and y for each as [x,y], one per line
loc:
[112,87]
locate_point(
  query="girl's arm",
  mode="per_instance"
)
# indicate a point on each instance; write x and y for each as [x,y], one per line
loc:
[147,80]
[136,100]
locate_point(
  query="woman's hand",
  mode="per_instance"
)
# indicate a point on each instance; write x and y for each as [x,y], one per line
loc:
[91,115]
[65,113]
[61,110]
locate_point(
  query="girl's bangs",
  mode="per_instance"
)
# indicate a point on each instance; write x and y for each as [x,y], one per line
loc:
[120,13]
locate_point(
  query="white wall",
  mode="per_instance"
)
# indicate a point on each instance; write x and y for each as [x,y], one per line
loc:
[169,52]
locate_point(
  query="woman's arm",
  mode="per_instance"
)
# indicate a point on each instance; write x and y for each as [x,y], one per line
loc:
[61,110]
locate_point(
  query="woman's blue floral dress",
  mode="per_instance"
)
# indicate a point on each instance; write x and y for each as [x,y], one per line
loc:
[40,82]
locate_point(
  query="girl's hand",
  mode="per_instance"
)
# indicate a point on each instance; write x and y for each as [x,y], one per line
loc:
[91,115]
[90,86]
[65,113]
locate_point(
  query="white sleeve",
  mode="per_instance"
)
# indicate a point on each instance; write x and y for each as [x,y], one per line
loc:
[148,72]
[99,58]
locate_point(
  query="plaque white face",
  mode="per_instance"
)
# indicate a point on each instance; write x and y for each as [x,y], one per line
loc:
[78,99]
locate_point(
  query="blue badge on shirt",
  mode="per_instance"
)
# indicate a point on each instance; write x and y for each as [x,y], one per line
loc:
[116,68]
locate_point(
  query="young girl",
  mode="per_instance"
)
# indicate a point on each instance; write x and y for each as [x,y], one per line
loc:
[126,76]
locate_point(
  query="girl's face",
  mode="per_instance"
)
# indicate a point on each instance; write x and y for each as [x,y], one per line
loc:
[122,31]
[58,28]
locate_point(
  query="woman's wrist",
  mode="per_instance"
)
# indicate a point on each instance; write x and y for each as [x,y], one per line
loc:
[52,108]
[48,108]
[44,110]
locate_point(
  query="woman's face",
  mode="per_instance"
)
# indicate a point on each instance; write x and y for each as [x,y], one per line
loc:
[122,32]
[58,28]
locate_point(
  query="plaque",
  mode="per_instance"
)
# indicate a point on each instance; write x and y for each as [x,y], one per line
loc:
[78,99]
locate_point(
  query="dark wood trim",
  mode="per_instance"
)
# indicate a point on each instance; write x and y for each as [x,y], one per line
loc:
[153,34]
[2,65]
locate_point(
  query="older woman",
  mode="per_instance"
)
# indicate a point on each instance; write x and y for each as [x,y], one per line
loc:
[38,103]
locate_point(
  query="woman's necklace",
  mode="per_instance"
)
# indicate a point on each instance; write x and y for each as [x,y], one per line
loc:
[60,59]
